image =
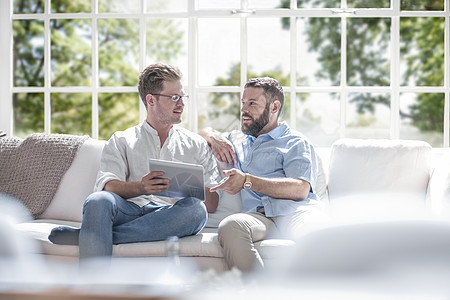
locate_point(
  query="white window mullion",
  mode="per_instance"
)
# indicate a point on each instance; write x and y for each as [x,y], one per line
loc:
[293,72]
[244,50]
[344,93]
[95,81]
[192,67]
[6,57]
[447,76]
[142,54]
[395,72]
[47,68]
[293,4]
[293,66]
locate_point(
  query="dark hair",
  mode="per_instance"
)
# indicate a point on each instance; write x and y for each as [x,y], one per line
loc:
[272,89]
[152,78]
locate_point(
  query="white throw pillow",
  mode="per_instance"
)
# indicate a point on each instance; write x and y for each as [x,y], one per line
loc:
[76,184]
[378,166]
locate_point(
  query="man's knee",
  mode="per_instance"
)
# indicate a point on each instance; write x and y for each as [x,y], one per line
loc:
[230,227]
[190,202]
[101,199]
[193,204]
[196,209]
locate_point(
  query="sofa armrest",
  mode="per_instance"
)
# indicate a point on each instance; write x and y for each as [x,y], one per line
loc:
[439,185]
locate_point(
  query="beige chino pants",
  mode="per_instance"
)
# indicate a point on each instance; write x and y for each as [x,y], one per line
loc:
[239,232]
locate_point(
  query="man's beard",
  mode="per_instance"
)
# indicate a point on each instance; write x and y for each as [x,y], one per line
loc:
[254,128]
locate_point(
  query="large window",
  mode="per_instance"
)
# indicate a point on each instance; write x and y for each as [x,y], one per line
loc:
[350,68]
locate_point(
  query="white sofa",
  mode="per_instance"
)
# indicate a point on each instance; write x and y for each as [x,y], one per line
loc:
[358,180]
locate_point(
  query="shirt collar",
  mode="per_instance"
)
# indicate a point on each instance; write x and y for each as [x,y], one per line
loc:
[274,133]
[153,131]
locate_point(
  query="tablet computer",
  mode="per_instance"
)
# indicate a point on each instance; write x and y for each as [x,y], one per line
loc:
[186,180]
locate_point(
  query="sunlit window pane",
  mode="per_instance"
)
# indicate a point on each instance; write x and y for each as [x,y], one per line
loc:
[72,6]
[71,52]
[268,46]
[422,51]
[71,113]
[167,41]
[368,53]
[318,118]
[220,111]
[264,4]
[28,51]
[314,3]
[422,5]
[28,113]
[318,51]
[118,38]
[218,53]
[166,6]
[369,3]
[285,114]
[28,6]
[422,117]
[119,6]
[117,111]
[368,116]
[218,4]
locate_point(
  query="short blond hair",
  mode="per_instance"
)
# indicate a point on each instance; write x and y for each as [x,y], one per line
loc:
[151,79]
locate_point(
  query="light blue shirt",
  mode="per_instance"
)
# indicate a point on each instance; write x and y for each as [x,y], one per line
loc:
[281,152]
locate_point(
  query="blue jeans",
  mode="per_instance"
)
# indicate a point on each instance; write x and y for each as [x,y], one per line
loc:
[110,219]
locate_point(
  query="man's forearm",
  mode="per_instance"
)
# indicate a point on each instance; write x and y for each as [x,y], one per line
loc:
[124,189]
[222,148]
[281,188]
[211,201]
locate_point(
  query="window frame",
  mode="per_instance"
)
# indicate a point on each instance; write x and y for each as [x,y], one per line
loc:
[193,88]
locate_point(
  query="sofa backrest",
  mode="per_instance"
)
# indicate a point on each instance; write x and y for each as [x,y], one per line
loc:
[351,167]
[76,184]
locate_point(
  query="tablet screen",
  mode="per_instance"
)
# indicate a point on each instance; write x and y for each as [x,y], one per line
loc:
[186,180]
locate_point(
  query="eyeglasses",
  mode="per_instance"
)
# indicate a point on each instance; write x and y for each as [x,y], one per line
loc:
[174,98]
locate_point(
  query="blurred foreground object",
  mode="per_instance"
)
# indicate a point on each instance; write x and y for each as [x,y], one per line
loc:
[392,258]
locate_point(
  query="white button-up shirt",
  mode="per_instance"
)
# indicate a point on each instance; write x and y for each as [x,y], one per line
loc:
[126,156]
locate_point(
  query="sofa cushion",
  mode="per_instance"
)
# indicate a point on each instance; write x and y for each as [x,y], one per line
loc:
[204,244]
[76,184]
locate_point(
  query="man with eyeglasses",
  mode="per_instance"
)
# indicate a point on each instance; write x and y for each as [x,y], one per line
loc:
[273,167]
[123,208]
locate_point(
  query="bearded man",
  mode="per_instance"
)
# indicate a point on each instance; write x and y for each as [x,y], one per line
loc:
[274,168]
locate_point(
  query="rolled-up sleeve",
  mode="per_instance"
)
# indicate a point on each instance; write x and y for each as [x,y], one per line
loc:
[112,164]
[300,163]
